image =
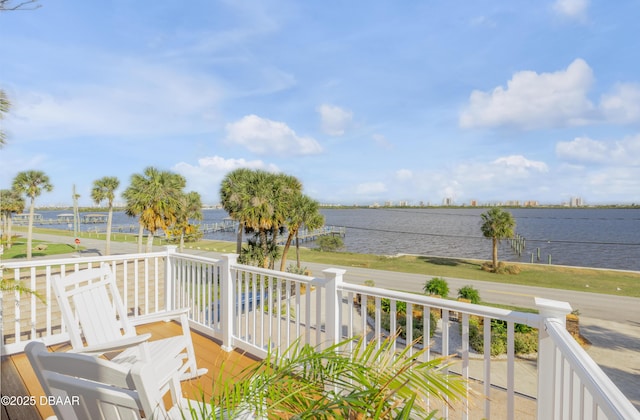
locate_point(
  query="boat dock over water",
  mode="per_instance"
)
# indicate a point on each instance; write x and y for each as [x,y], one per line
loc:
[61,219]
[306,235]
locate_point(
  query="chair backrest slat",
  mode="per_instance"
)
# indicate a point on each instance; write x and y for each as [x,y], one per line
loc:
[91,307]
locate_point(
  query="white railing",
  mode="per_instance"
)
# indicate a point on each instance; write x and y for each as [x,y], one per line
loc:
[252,308]
[572,385]
[25,317]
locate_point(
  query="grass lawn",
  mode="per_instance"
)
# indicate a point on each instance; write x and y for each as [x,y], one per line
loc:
[39,249]
[558,277]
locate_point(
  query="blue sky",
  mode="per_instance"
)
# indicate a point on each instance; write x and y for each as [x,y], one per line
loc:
[363,101]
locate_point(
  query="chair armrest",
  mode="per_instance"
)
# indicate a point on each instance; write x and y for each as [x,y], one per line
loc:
[113,345]
[158,316]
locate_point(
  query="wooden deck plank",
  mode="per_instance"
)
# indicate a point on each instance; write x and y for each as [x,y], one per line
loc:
[13,385]
[221,365]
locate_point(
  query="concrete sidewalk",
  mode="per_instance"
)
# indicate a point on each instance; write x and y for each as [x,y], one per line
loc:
[615,346]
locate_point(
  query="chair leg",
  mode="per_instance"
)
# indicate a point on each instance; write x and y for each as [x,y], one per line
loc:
[191,370]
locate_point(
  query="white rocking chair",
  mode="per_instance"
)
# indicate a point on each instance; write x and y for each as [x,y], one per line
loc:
[92,309]
[85,387]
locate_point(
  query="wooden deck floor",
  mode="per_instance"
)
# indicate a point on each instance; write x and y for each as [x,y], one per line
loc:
[19,379]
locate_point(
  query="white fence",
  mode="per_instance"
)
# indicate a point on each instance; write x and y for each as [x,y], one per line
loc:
[252,308]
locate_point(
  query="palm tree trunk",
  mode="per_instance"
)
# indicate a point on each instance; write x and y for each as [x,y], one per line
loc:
[297,250]
[239,238]
[150,242]
[140,234]
[30,229]
[9,236]
[283,262]
[265,248]
[107,250]
[495,253]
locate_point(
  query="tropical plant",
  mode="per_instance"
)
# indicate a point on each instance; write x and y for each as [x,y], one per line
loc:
[497,224]
[10,202]
[7,285]
[330,243]
[470,293]
[234,196]
[31,183]
[104,189]
[372,381]
[190,208]
[260,202]
[8,5]
[5,106]
[437,286]
[154,197]
[303,211]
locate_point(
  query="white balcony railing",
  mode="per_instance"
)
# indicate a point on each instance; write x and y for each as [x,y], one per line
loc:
[252,308]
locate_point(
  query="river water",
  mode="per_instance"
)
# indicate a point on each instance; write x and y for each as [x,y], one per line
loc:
[606,238]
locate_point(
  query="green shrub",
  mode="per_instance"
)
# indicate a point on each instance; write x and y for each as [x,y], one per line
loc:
[330,243]
[401,319]
[525,337]
[526,343]
[501,269]
[470,293]
[437,286]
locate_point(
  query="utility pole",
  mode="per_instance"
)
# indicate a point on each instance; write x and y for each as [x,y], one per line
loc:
[76,217]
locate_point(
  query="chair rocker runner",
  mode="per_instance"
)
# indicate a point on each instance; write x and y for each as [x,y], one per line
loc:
[92,309]
[93,388]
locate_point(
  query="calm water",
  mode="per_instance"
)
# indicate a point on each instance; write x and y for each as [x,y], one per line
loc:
[608,238]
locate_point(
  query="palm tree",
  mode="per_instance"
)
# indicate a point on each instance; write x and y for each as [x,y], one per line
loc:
[154,197]
[10,202]
[5,106]
[303,212]
[234,198]
[497,224]
[104,189]
[260,201]
[31,183]
[190,208]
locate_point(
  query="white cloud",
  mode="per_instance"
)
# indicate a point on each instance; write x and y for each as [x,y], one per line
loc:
[264,136]
[382,141]
[335,120]
[532,100]
[573,9]
[371,188]
[404,174]
[510,175]
[205,177]
[519,164]
[622,105]
[625,152]
[136,99]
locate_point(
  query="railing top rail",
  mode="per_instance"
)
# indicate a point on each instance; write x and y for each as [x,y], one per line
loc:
[80,260]
[200,258]
[272,273]
[530,319]
[609,398]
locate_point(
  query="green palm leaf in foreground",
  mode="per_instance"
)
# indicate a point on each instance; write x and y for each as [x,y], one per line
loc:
[372,381]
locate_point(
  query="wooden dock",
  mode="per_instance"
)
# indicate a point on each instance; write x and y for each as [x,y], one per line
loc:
[305,235]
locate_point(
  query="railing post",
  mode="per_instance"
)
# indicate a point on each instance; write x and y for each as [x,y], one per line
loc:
[226,300]
[550,311]
[332,315]
[169,280]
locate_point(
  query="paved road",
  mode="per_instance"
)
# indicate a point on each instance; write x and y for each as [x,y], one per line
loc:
[610,323]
